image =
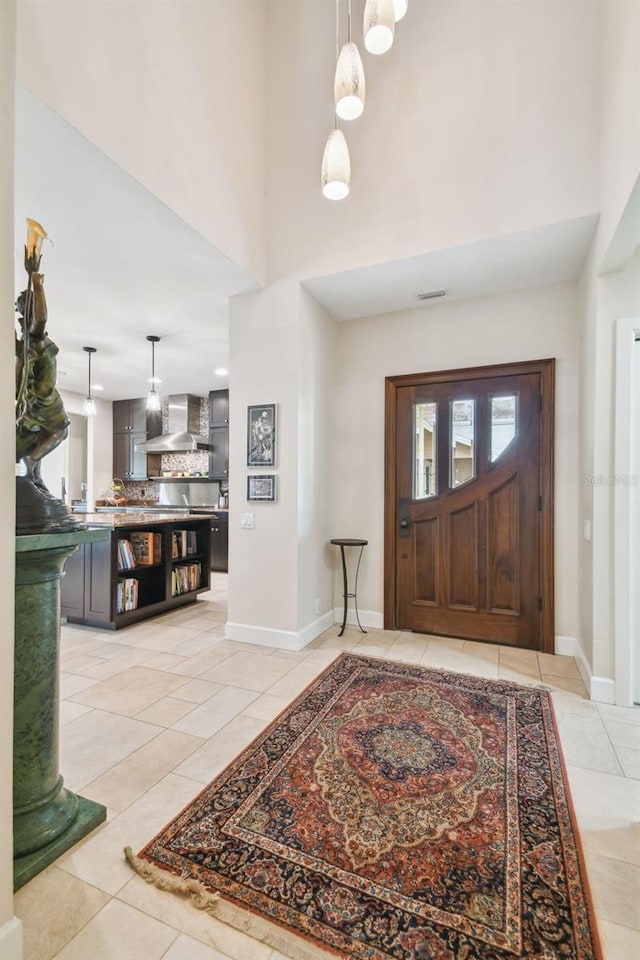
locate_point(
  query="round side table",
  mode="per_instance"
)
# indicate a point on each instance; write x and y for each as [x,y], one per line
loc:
[343,542]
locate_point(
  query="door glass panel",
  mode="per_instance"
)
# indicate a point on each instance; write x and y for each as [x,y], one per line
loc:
[463,448]
[503,425]
[424,458]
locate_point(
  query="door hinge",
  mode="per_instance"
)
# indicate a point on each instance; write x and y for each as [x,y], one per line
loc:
[541,401]
[539,603]
[540,502]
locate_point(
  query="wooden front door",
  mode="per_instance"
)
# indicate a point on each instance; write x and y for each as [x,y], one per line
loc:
[469,508]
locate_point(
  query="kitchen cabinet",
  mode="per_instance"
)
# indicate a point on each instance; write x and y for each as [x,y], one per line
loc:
[219,434]
[132,424]
[220,543]
[94,581]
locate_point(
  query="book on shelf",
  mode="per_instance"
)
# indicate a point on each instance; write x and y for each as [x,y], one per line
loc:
[146,546]
[126,557]
[184,543]
[185,578]
[127,595]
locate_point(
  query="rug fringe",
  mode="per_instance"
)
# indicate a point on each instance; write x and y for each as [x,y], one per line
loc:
[241,919]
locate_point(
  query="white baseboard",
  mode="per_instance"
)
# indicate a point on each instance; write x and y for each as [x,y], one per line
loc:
[11,940]
[368,618]
[281,639]
[601,689]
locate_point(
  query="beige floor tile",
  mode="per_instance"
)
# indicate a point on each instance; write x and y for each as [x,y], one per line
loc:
[199,644]
[444,643]
[163,661]
[454,658]
[585,744]
[71,683]
[218,751]
[619,943]
[124,783]
[163,637]
[557,666]
[295,680]
[608,811]
[119,931]
[621,714]
[197,690]
[251,671]
[209,717]
[623,734]
[196,923]
[519,653]
[166,711]
[266,707]
[615,888]
[203,661]
[487,651]
[100,860]
[186,948]
[568,684]
[566,702]
[408,648]
[629,761]
[130,692]
[95,742]
[70,711]
[54,907]
[105,669]
[78,662]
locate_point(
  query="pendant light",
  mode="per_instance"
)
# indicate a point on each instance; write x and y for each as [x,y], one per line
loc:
[399,9]
[348,86]
[336,165]
[89,407]
[378,25]
[153,400]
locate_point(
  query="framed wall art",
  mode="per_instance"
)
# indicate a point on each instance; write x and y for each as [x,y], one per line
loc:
[261,435]
[261,487]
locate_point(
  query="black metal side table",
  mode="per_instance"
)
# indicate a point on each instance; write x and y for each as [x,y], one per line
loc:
[342,543]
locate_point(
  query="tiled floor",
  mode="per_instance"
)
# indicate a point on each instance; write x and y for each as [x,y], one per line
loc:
[150,714]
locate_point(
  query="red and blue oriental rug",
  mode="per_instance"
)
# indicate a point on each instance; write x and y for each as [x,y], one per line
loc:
[391,811]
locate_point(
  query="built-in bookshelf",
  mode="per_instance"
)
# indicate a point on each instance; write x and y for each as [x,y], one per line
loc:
[142,570]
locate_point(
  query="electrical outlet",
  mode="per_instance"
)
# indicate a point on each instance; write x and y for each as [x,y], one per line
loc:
[246,521]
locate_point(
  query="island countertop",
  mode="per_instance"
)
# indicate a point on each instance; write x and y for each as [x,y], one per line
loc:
[113,520]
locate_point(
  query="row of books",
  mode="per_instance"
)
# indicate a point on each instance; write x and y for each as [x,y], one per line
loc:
[185,578]
[184,543]
[127,595]
[143,548]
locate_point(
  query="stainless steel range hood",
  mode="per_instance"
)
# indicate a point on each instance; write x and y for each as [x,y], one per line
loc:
[184,427]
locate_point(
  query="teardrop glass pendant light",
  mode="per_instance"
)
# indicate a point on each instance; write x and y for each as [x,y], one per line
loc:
[399,9]
[336,167]
[378,26]
[348,86]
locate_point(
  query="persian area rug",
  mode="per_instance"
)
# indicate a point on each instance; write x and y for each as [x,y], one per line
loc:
[391,811]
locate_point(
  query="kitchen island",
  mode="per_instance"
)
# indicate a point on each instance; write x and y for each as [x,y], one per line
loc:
[151,563]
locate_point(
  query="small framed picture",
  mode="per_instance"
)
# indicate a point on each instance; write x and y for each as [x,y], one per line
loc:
[261,486]
[261,435]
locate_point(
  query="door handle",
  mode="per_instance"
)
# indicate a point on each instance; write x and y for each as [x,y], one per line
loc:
[404,523]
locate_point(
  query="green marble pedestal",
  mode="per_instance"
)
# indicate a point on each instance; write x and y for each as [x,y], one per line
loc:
[47,818]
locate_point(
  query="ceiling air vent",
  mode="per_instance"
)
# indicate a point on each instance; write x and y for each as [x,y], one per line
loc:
[432,295]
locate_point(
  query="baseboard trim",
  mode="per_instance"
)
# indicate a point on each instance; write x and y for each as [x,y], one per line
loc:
[601,689]
[368,618]
[11,940]
[281,639]
[565,646]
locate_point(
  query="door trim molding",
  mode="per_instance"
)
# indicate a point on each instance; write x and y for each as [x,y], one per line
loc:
[546,370]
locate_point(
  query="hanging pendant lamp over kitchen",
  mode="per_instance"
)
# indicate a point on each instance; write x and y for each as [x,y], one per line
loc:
[378,25]
[336,165]
[153,400]
[348,85]
[399,9]
[89,406]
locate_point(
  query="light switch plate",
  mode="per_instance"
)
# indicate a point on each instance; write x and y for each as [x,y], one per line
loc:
[246,521]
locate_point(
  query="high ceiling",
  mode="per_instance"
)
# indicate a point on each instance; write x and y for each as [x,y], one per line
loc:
[123,266]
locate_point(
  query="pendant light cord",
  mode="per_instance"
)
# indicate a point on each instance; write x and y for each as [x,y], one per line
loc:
[89,390]
[349,22]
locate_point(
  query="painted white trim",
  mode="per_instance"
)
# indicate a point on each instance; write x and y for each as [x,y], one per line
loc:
[603,690]
[565,646]
[626,563]
[368,618]
[281,639]
[11,940]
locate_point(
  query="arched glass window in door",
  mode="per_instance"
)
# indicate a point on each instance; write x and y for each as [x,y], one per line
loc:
[503,424]
[424,461]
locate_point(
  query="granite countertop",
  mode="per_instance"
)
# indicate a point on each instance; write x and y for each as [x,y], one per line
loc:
[113,520]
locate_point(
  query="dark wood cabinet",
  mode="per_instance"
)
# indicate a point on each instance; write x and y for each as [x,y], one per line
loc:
[132,424]
[94,576]
[220,543]
[219,434]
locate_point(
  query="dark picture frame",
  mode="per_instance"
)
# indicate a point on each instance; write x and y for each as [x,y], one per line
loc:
[261,487]
[261,435]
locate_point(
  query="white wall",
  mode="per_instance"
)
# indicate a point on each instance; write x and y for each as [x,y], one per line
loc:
[10,928]
[173,92]
[482,120]
[529,325]
[99,442]
[281,351]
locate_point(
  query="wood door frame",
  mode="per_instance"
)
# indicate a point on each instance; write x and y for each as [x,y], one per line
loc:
[546,370]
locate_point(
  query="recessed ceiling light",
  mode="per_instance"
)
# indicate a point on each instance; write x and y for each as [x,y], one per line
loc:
[97,386]
[432,295]
[221,371]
